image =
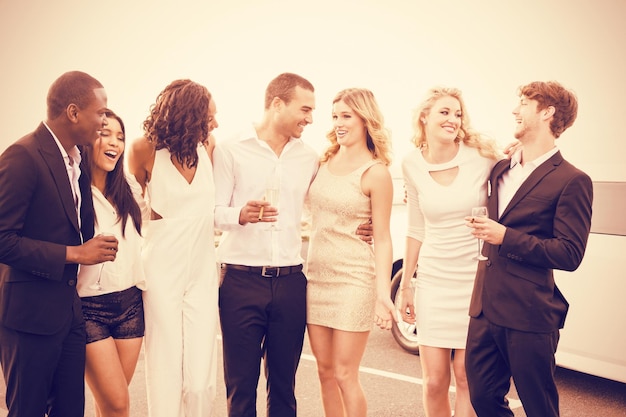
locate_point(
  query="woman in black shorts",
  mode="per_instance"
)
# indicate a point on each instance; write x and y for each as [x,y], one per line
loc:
[111,292]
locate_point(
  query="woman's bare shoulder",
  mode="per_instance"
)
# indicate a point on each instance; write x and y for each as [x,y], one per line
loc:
[141,154]
[141,145]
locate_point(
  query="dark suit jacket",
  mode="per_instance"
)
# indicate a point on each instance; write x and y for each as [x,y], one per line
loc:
[548,222]
[37,221]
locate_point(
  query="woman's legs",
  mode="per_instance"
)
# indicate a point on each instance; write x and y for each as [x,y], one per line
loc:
[436,375]
[338,354]
[348,352]
[321,340]
[163,349]
[199,361]
[462,405]
[109,369]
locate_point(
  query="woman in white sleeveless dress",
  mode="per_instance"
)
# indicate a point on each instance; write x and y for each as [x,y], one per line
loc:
[172,163]
[445,177]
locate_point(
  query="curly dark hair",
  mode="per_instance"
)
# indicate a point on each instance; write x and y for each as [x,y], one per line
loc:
[551,93]
[116,189]
[179,120]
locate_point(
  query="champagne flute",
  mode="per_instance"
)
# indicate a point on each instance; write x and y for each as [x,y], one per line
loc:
[479,212]
[272,194]
[96,285]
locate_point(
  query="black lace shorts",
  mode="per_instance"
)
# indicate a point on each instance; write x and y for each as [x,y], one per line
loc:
[118,315]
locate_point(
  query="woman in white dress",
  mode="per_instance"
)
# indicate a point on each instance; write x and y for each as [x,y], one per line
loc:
[111,292]
[172,164]
[444,177]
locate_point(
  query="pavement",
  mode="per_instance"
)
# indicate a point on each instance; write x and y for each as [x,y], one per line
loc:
[391,380]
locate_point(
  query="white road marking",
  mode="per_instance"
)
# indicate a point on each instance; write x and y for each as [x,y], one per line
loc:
[513,402]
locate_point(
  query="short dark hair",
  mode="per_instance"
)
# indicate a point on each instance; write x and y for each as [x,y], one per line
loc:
[73,87]
[551,93]
[283,87]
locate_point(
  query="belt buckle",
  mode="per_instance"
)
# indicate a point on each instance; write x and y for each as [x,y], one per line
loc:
[270,271]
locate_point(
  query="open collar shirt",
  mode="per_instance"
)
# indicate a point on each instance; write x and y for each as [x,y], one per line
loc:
[242,166]
[72,165]
[513,178]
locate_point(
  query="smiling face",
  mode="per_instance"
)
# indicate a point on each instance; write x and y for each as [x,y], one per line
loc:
[108,148]
[211,118]
[444,120]
[526,118]
[349,127]
[295,115]
[91,119]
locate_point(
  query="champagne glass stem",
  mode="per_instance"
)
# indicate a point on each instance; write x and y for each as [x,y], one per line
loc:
[97,286]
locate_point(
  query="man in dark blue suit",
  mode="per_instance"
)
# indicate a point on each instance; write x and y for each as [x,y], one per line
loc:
[46,230]
[540,217]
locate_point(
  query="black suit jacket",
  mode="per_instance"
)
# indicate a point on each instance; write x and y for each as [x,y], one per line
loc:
[37,221]
[548,222]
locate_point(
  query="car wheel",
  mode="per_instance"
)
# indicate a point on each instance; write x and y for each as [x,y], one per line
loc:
[405,334]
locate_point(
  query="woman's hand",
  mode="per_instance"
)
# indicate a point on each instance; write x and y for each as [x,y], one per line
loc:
[512,147]
[385,313]
[406,312]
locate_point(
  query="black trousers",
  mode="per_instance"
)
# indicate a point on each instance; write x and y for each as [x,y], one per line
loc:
[261,318]
[45,374]
[494,354]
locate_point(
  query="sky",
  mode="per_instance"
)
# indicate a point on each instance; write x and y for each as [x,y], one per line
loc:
[396,48]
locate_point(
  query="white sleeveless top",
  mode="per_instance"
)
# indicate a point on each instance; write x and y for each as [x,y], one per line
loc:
[185,233]
[171,196]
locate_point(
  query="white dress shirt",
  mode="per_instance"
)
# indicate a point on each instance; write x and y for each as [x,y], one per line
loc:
[72,164]
[241,169]
[512,179]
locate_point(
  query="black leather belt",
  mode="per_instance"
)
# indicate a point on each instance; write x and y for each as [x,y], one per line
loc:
[265,271]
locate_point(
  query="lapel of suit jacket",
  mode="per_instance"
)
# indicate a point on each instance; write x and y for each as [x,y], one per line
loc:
[533,179]
[86,206]
[492,188]
[53,158]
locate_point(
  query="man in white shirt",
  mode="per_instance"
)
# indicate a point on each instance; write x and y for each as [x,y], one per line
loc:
[262,297]
[263,293]
[540,217]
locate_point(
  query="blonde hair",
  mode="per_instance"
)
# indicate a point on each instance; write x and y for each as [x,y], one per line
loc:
[363,103]
[486,147]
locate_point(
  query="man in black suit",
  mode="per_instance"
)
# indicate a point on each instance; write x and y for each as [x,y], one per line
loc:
[46,230]
[540,216]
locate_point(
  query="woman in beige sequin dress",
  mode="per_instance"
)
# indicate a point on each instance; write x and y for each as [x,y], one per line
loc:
[348,280]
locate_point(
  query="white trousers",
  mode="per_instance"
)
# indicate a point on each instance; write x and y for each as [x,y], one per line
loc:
[181,344]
